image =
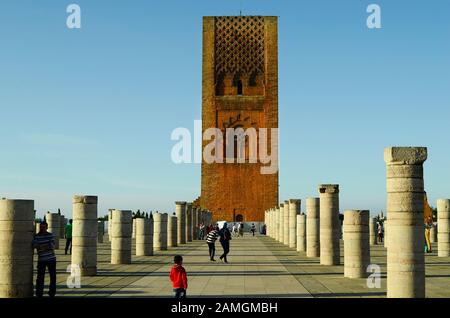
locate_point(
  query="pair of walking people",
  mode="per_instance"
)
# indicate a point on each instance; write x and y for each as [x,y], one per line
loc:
[224,236]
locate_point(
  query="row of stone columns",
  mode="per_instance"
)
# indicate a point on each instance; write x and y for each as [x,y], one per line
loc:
[281,222]
[18,227]
[404,232]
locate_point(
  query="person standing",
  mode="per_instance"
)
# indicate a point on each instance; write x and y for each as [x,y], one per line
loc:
[68,236]
[178,277]
[241,229]
[428,225]
[44,243]
[211,241]
[225,238]
[201,233]
[253,229]
[380,233]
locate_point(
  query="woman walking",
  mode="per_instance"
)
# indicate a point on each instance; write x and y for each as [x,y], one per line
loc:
[211,241]
[225,237]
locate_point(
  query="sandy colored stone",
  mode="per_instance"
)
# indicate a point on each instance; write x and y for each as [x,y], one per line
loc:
[356,243]
[405,231]
[313,227]
[16,252]
[53,220]
[122,227]
[301,233]
[329,224]
[443,227]
[180,211]
[160,231]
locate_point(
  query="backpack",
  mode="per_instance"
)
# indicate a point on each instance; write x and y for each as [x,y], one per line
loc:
[227,235]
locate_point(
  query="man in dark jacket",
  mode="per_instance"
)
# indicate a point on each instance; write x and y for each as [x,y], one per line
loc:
[44,243]
[225,237]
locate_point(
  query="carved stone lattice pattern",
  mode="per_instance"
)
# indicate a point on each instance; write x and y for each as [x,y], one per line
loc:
[239,45]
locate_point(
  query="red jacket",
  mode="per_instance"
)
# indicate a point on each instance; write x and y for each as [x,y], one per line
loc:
[178,277]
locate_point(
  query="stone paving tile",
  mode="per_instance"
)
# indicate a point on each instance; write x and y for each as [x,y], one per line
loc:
[258,267]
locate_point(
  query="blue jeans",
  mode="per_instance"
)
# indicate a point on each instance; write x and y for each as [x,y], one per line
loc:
[226,249]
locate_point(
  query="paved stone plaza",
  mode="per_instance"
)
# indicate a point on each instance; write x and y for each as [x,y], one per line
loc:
[258,267]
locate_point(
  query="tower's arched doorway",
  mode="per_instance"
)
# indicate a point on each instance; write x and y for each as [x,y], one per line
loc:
[239,218]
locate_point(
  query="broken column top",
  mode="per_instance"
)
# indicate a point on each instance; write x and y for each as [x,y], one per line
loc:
[88,199]
[180,202]
[329,188]
[405,155]
[294,200]
[281,205]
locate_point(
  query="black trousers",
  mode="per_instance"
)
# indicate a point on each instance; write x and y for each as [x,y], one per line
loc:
[212,250]
[226,249]
[68,243]
[180,293]
[51,265]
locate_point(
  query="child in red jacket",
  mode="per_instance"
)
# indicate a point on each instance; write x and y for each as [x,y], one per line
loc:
[178,277]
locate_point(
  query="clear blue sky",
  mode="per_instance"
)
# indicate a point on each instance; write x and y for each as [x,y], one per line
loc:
[91,111]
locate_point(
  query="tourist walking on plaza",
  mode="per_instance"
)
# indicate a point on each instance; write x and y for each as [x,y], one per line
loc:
[225,238]
[241,229]
[211,241]
[178,277]
[209,229]
[68,236]
[201,232]
[253,229]
[428,225]
[234,230]
[44,243]
[380,233]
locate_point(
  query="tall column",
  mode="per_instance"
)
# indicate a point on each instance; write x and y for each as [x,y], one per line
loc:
[356,243]
[194,223]
[433,234]
[62,226]
[312,227]
[172,228]
[272,223]
[84,235]
[199,220]
[53,221]
[294,210]
[100,231]
[188,222]
[110,224]
[329,224]
[372,231]
[122,227]
[180,210]
[133,233]
[144,237]
[405,203]
[286,223]
[301,233]
[16,252]
[160,231]
[38,228]
[443,227]
[281,223]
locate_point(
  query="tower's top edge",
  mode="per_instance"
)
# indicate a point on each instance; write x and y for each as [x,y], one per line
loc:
[238,16]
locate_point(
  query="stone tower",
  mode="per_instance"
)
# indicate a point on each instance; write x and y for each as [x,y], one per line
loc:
[240,90]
